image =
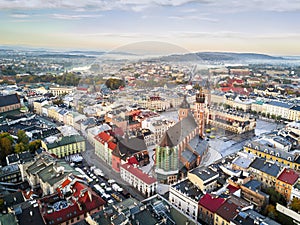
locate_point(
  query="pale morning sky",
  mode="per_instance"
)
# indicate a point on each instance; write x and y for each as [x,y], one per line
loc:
[262,26]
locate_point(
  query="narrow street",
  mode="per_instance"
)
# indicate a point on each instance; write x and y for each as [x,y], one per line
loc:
[93,160]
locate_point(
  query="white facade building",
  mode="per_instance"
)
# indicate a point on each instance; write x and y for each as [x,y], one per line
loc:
[139,180]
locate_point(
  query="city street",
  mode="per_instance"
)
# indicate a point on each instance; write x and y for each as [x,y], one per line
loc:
[93,160]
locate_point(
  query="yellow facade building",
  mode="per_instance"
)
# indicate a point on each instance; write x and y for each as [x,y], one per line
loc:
[65,146]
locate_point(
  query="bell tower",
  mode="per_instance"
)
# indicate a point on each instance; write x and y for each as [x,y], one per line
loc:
[183,109]
[199,112]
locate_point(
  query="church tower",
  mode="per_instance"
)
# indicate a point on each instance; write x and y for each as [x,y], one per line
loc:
[184,109]
[199,112]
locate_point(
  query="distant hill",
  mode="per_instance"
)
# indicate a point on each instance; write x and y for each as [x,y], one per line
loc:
[219,56]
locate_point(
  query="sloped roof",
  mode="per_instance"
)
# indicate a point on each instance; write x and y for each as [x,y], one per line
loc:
[65,141]
[211,202]
[84,196]
[9,100]
[227,211]
[185,104]
[179,131]
[132,145]
[139,174]
[269,168]
[288,176]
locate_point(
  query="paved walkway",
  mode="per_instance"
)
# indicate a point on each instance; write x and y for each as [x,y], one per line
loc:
[91,159]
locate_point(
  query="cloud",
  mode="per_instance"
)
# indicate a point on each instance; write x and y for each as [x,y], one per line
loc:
[140,5]
[74,17]
[194,17]
[237,35]
[19,15]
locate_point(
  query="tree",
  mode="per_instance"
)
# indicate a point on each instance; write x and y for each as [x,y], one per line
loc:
[275,196]
[58,101]
[22,137]
[20,147]
[34,145]
[271,211]
[295,204]
[6,147]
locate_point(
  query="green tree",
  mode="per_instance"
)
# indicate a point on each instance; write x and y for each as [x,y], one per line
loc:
[58,102]
[20,147]
[275,196]
[295,204]
[22,137]
[6,147]
[34,145]
[271,211]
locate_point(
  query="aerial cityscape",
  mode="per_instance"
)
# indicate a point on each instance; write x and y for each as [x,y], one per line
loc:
[129,112]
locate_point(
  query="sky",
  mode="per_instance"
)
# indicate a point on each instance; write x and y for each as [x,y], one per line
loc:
[260,26]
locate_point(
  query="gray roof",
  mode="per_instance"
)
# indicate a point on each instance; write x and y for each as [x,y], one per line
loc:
[185,104]
[189,189]
[204,173]
[50,174]
[199,145]
[9,100]
[242,162]
[269,168]
[263,147]
[13,199]
[255,185]
[179,131]
[9,169]
[188,156]
[12,158]
[280,104]
[249,216]
[28,213]
[132,145]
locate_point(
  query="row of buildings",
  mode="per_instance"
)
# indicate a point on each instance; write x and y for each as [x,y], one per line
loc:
[283,108]
[231,188]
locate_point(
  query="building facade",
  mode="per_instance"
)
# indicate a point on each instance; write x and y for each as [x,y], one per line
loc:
[65,146]
[139,180]
[9,103]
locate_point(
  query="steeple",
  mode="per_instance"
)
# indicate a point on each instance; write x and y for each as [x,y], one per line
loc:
[184,109]
[199,112]
[185,104]
[200,96]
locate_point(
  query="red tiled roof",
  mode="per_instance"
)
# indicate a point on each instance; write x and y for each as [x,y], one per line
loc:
[73,209]
[211,203]
[239,90]
[112,145]
[288,176]
[102,137]
[227,211]
[132,160]
[78,187]
[139,174]
[232,188]
[65,183]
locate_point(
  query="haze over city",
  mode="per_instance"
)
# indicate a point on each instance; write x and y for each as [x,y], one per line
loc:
[239,26]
